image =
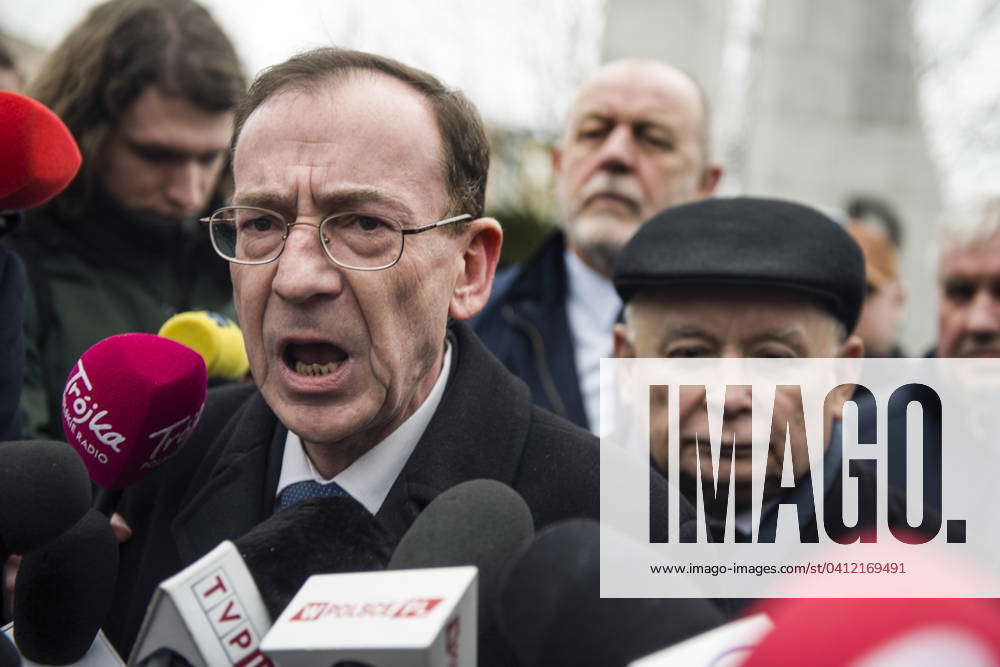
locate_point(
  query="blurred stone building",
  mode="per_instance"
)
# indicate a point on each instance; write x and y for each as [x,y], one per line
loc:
[813,100]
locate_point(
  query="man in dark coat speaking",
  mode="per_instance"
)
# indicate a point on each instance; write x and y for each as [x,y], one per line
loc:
[356,241]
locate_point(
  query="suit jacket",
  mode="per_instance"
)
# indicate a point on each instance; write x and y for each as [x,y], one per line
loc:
[525,324]
[223,481]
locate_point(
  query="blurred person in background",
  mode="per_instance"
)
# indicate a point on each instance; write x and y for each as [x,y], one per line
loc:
[876,212]
[636,141]
[969,282]
[968,307]
[885,301]
[148,88]
[10,77]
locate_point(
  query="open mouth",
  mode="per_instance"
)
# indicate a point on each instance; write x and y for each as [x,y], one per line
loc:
[314,359]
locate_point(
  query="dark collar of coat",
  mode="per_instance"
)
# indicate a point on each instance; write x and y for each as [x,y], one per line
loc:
[542,277]
[478,431]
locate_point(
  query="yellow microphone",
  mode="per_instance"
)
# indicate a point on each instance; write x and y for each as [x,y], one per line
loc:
[215,337]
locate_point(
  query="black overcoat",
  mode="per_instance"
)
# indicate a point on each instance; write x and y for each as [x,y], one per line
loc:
[223,481]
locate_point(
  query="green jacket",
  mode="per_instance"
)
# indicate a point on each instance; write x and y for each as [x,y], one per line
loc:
[97,275]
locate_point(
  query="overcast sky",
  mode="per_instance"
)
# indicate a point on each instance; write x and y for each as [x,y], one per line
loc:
[521,60]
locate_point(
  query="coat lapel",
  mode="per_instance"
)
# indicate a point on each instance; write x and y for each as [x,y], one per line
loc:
[478,431]
[240,486]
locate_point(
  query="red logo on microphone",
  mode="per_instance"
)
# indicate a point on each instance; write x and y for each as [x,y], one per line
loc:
[415,608]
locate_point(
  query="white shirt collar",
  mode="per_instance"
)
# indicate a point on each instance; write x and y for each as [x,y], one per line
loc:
[592,294]
[592,306]
[369,478]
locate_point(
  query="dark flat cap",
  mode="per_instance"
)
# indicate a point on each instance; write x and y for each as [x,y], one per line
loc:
[747,241]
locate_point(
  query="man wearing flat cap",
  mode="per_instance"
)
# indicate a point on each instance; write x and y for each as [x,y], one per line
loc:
[745,278]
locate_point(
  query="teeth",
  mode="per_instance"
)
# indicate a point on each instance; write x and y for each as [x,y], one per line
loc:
[316,370]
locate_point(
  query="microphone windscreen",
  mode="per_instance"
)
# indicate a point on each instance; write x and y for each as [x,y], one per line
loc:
[323,535]
[40,157]
[481,522]
[9,657]
[63,592]
[129,404]
[551,613]
[215,337]
[44,490]
[916,632]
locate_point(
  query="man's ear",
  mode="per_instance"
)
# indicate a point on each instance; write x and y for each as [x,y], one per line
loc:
[710,177]
[623,348]
[484,237]
[555,155]
[852,348]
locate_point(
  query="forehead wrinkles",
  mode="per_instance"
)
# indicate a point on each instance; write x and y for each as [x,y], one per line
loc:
[641,92]
[284,162]
[370,132]
[982,260]
[631,102]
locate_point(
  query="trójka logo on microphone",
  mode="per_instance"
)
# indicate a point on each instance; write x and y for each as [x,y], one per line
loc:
[82,412]
[88,423]
[170,438]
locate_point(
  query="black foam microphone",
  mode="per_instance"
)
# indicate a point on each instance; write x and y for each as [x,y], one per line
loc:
[550,611]
[44,490]
[324,535]
[63,592]
[481,522]
[225,602]
[422,610]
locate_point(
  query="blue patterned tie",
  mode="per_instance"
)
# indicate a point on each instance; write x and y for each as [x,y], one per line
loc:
[293,493]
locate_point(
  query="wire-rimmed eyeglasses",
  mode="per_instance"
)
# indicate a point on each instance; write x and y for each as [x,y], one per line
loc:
[352,240]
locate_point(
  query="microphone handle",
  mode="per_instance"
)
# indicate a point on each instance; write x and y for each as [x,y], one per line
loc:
[106,501]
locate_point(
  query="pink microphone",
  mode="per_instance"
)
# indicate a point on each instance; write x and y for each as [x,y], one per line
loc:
[129,404]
